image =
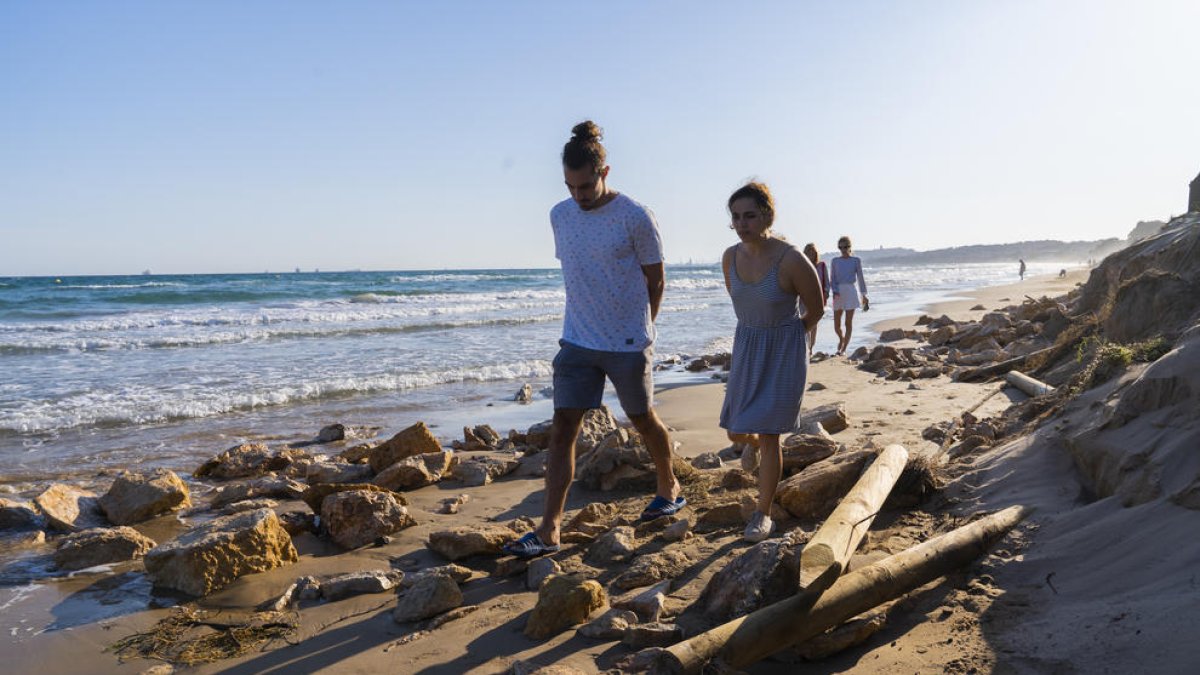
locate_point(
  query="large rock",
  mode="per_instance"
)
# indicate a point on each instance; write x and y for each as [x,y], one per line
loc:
[764,573]
[801,450]
[70,509]
[431,595]
[463,542]
[653,568]
[563,601]
[135,497]
[250,459]
[211,556]
[598,423]
[482,470]
[264,487]
[337,472]
[812,493]
[101,546]
[315,495]
[356,518]
[832,417]
[615,545]
[19,515]
[358,583]
[415,440]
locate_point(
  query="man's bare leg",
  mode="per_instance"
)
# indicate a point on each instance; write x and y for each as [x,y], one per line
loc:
[658,442]
[560,471]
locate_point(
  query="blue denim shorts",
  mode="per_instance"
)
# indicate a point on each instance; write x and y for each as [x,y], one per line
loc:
[579,378]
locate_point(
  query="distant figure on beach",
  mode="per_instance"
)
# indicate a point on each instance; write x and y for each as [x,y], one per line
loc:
[1062,273]
[1022,270]
[844,272]
[810,252]
[612,267]
[777,298]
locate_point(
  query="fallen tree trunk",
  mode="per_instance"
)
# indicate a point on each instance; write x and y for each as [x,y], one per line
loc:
[753,637]
[996,368]
[826,554]
[1027,384]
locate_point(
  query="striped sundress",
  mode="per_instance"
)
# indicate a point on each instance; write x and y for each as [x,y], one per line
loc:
[769,366]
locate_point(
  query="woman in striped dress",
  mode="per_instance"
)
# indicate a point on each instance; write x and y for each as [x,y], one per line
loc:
[777,298]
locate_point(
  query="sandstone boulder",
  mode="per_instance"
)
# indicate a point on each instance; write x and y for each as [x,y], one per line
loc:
[832,417]
[258,488]
[19,515]
[429,596]
[355,518]
[415,440]
[482,470]
[563,601]
[70,509]
[315,495]
[539,570]
[463,542]
[249,459]
[135,497]
[416,471]
[615,545]
[764,573]
[101,546]
[211,556]
[653,568]
[801,450]
[337,472]
[610,625]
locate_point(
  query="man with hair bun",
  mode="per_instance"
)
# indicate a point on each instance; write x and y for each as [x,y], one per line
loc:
[612,267]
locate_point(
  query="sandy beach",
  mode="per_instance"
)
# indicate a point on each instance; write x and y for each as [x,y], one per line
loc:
[1055,596]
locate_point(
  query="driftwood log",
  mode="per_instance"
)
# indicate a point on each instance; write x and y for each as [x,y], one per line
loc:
[984,372]
[1028,384]
[751,638]
[826,554]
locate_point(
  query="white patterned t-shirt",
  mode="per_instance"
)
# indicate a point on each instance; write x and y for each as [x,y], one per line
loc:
[602,252]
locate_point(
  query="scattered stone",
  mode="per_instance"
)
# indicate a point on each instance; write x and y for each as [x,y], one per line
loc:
[135,497]
[258,488]
[719,516]
[832,417]
[331,433]
[337,472]
[415,472]
[355,518]
[614,546]
[652,635]
[976,308]
[415,440]
[451,505]
[538,435]
[358,583]
[70,509]
[765,572]
[524,394]
[458,573]
[315,495]
[19,515]
[610,625]
[463,542]
[101,546]
[641,660]
[358,454]
[482,470]
[429,596]
[564,600]
[211,556]
[646,603]
[736,479]
[249,459]
[892,334]
[708,460]
[652,568]
[816,386]
[677,531]
[541,569]
[248,505]
[510,567]
[297,522]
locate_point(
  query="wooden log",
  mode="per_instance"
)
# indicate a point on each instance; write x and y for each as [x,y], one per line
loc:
[996,368]
[753,637]
[1028,384]
[826,554]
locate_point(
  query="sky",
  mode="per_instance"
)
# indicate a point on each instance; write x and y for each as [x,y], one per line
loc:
[222,136]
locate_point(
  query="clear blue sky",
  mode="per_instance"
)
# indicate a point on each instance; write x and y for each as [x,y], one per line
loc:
[247,136]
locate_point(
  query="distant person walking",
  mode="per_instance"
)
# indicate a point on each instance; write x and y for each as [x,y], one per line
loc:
[612,267]
[1022,270]
[844,272]
[810,252]
[777,298]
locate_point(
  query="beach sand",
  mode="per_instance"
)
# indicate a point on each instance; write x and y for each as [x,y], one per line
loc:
[1053,597]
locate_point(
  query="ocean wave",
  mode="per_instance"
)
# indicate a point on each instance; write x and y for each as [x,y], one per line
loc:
[148,405]
[104,287]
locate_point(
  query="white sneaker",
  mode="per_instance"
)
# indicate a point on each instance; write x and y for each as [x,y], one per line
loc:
[759,527]
[749,457]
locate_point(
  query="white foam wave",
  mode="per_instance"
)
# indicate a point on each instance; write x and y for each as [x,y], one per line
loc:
[103,287]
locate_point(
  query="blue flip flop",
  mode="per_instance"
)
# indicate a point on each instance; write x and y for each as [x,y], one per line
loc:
[529,546]
[661,506]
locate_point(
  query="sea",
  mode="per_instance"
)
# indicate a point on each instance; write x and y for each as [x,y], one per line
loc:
[104,373]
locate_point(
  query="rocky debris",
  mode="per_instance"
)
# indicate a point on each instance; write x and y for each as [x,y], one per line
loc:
[463,542]
[610,625]
[736,479]
[337,472]
[762,574]
[539,570]
[101,546]
[708,460]
[719,360]
[457,573]
[296,523]
[677,531]
[69,509]
[212,555]
[479,438]
[266,486]
[616,545]
[451,505]
[135,497]
[652,635]
[812,493]
[652,568]
[720,516]
[646,603]
[483,469]
[355,518]
[892,334]
[428,596]
[524,394]
[416,471]
[598,423]
[331,433]
[538,435]
[594,519]
[832,417]
[563,601]
[621,462]
[415,440]
[801,450]
[359,454]
[19,515]
[510,567]
[358,583]
[315,495]
[248,505]
[251,459]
